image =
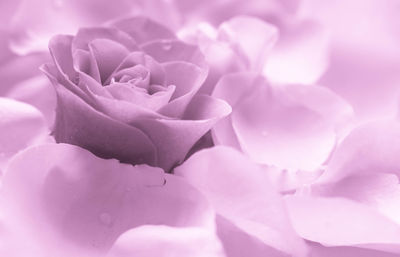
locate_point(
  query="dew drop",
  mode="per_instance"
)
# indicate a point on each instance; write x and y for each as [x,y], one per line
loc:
[105,218]
[166,45]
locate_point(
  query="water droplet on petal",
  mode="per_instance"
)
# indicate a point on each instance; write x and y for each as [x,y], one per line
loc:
[105,218]
[166,45]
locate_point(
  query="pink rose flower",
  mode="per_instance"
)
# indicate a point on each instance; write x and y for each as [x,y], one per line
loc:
[127,91]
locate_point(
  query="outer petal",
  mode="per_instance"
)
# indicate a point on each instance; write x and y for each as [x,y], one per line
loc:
[180,135]
[149,241]
[232,88]
[301,54]
[20,126]
[241,32]
[370,148]
[350,224]
[79,124]
[72,202]
[38,92]
[241,193]
[187,79]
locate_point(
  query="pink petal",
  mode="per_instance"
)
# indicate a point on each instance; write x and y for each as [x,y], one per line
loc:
[187,79]
[379,191]
[291,120]
[154,102]
[21,125]
[341,222]
[80,124]
[38,92]
[323,251]
[167,241]
[241,31]
[241,192]
[143,30]
[61,52]
[108,55]
[301,54]
[200,116]
[370,148]
[71,200]
[238,243]
[223,132]
[174,50]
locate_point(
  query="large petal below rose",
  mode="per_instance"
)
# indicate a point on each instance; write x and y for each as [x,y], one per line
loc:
[72,202]
[80,124]
[20,126]
[143,30]
[250,37]
[342,222]
[241,193]
[162,241]
[368,149]
[301,54]
[187,79]
[180,135]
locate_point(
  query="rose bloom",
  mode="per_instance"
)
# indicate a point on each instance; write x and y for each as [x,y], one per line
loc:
[127,91]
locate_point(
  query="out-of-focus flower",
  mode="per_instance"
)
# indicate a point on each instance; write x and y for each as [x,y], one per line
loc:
[21,125]
[286,51]
[355,203]
[293,127]
[251,217]
[30,26]
[127,91]
[61,200]
[365,57]
[21,79]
